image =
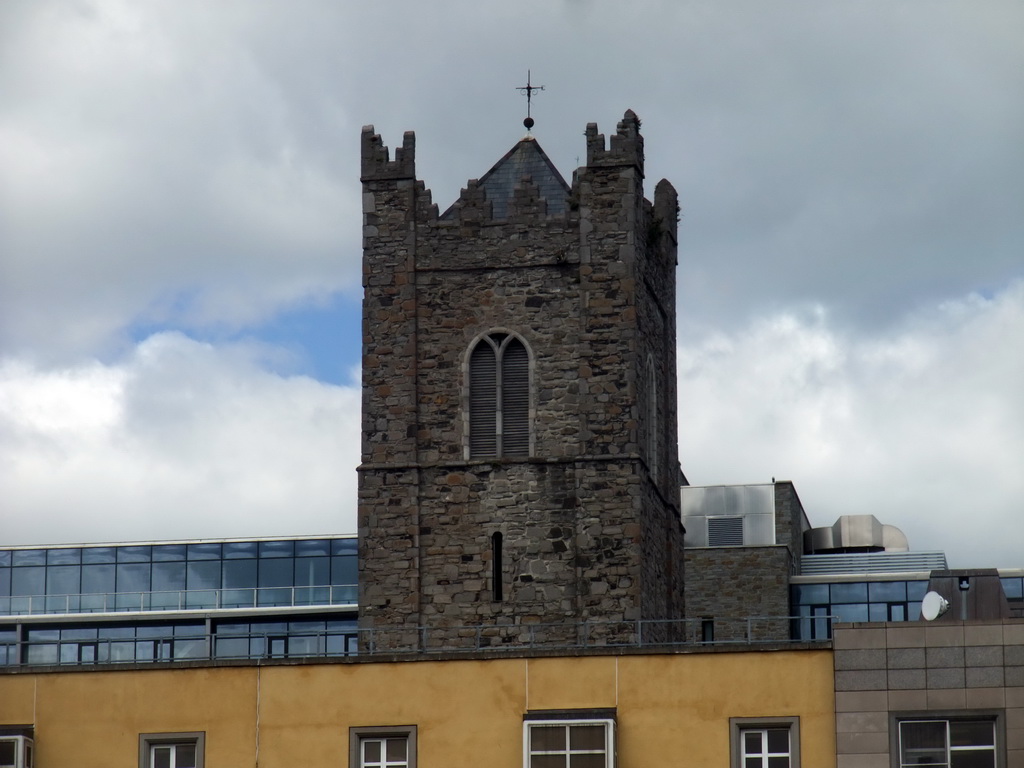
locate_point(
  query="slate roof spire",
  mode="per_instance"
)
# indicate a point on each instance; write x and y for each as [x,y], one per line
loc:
[526,161]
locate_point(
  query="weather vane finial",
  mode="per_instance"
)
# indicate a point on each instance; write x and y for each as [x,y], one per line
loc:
[528,89]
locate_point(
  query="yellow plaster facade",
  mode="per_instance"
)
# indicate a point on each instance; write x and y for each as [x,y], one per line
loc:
[670,708]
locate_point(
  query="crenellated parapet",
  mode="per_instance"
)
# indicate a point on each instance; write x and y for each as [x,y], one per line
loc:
[666,210]
[527,202]
[376,161]
[472,205]
[627,145]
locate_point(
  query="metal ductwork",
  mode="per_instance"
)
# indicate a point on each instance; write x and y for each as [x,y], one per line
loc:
[855,533]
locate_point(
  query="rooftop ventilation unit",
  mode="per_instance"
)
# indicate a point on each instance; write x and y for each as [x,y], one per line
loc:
[855,533]
[725,531]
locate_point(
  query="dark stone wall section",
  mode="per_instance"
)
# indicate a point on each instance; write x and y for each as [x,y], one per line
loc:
[589,522]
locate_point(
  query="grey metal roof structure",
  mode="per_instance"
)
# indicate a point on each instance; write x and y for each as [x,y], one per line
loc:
[525,160]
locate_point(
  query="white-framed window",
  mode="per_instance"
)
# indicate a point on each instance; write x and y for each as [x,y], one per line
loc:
[569,743]
[172,750]
[382,747]
[948,743]
[765,742]
[16,752]
[498,394]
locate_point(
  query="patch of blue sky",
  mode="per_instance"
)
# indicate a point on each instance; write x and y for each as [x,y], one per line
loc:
[327,338]
[322,340]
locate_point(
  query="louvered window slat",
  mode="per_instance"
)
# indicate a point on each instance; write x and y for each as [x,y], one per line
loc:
[515,400]
[483,402]
[499,398]
[725,531]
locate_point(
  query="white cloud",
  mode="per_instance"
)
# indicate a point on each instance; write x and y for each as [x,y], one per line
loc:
[191,164]
[154,171]
[181,440]
[920,425]
[181,164]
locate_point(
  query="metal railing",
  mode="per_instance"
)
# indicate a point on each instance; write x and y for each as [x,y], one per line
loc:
[178,600]
[198,646]
[750,630]
[490,638]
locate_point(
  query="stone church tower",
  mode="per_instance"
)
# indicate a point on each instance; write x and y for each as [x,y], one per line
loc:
[519,479]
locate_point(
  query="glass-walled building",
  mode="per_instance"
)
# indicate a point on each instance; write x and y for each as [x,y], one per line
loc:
[158,601]
[818,604]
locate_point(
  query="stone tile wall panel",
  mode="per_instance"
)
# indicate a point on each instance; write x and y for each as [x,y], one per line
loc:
[949,670]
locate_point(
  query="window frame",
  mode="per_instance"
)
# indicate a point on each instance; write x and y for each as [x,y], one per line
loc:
[357,734]
[499,347]
[24,749]
[740,725]
[149,740]
[991,716]
[542,719]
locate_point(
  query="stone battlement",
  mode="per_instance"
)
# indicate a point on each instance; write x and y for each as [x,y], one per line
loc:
[627,145]
[527,204]
[376,161]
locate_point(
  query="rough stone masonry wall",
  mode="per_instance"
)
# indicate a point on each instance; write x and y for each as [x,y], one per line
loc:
[790,522]
[662,550]
[921,670]
[388,516]
[559,555]
[637,241]
[539,303]
[734,584]
[581,521]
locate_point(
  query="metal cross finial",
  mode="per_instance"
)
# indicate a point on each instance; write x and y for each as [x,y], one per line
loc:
[528,89]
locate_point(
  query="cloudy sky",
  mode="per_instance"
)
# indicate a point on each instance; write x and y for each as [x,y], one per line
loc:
[179,243]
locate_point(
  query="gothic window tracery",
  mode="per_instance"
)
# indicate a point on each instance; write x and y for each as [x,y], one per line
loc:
[499,398]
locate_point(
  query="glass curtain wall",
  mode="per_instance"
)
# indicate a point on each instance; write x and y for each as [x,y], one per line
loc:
[199,575]
[817,605]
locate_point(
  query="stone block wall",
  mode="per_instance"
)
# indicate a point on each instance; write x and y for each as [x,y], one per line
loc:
[790,522]
[922,670]
[588,532]
[734,584]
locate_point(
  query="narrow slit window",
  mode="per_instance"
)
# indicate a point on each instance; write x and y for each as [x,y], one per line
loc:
[496,566]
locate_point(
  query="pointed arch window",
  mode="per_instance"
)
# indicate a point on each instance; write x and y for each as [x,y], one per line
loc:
[499,398]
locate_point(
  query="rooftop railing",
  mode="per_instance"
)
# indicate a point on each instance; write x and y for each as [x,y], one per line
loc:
[178,600]
[642,633]
[498,639]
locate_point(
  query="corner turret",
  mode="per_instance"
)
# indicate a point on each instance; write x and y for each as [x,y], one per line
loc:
[376,163]
[627,145]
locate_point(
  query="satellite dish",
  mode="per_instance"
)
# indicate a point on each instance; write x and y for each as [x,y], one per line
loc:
[933,606]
